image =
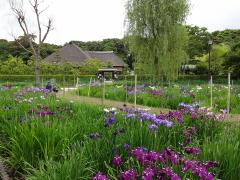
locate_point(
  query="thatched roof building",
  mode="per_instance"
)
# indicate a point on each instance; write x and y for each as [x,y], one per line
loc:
[75,55]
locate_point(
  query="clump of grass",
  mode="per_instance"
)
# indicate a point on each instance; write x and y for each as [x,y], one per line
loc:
[225,148]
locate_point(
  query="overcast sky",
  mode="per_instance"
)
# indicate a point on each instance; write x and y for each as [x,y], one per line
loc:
[87,20]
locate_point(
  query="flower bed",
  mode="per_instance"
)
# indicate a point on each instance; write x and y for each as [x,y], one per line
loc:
[43,137]
[169,96]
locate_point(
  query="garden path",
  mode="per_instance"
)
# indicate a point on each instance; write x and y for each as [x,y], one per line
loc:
[110,103]
[107,103]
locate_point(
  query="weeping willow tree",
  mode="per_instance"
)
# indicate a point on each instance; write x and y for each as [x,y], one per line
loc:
[156,35]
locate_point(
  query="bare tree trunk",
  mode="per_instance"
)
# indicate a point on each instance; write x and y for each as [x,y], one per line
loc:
[37,71]
[21,18]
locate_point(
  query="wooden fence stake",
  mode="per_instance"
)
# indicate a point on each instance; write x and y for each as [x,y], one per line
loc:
[77,82]
[126,89]
[74,81]
[229,94]
[135,93]
[103,95]
[211,92]
[89,86]
[64,85]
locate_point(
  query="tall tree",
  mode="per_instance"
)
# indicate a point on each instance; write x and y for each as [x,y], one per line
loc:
[156,35]
[230,37]
[21,17]
[198,41]
[4,49]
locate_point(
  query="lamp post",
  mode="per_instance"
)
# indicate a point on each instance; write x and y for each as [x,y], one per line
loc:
[210,42]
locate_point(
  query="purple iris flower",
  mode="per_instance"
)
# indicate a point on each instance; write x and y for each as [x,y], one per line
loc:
[148,174]
[211,164]
[99,176]
[141,86]
[169,153]
[192,150]
[197,168]
[177,115]
[128,175]
[130,115]
[163,122]
[94,136]
[152,127]
[109,121]
[126,146]
[186,106]
[117,161]
[153,156]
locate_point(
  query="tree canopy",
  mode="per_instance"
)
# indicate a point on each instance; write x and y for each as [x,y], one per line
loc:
[225,52]
[198,41]
[156,34]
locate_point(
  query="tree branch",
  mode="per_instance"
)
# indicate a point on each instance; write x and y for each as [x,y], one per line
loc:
[49,28]
[23,46]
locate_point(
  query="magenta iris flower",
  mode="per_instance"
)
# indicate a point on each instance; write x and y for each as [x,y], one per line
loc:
[192,150]
[128,175]
[99,176]
[148,174]
[117,161]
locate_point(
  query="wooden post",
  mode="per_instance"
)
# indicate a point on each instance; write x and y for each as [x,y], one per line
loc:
[211,92]
[103,92]
[126,89]
[64,85]
[69,77]
[229,94]
[135,93]
[77,82]
[89,86]
[74,80]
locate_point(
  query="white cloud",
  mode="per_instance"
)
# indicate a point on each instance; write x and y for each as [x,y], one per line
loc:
[87,20]
[215,14]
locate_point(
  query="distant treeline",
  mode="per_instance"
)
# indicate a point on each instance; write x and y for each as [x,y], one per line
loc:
[225,51]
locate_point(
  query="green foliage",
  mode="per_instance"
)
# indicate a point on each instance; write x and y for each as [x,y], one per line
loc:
[59,146]
[232,61]
[48,49]
[91,66]
[14,66]
[4,49]
[55,69]
[115,45]
[198,41]
[218,53]
[169,97]
[226,143]
[156,35]
[13,48]
[74,166]
[143,48]
[230,37]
